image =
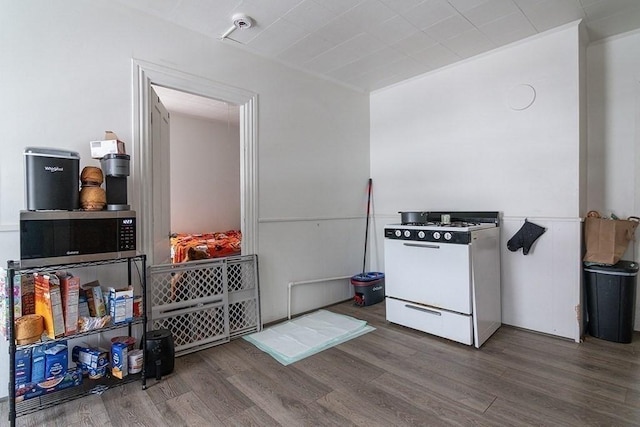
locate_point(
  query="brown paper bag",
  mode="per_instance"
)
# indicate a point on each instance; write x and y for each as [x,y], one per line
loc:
[606,240]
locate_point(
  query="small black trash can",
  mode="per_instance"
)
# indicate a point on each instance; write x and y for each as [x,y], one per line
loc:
[611,297]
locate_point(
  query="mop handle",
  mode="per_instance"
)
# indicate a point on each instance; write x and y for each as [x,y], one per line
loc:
[366,233]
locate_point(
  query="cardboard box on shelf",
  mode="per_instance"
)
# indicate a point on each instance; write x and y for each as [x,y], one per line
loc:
[5,289]
[23,366]
[49,304]
[56,358]
[93,292]
[72,378]
[23,297]
[109,145]
[121,305]
[70,287]
[90,357]
[37,363]
[119,360]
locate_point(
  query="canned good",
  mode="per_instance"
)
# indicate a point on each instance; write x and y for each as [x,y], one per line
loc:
[136,359]
[137,306]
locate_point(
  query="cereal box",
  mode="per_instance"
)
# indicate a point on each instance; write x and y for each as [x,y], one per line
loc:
[70,290]
[49,304]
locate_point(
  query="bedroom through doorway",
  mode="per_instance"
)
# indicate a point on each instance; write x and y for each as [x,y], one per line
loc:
[204,169]
[152,174]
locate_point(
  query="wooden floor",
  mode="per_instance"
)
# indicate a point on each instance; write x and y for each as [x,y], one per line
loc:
[392,376]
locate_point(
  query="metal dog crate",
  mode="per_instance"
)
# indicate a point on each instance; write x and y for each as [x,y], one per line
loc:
[205,303]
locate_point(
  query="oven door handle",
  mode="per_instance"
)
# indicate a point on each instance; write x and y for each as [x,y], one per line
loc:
[418,245]
[425,310]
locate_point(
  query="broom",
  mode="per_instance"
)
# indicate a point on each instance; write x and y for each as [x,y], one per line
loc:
[366,232]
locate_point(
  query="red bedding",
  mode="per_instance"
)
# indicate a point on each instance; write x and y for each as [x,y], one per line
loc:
[215,245]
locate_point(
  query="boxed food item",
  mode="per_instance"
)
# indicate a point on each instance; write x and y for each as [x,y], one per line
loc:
[49,304]
[83,306]
[70,287]
[37,363]
[109,145]
[95,300]
[23,299]
[56,360]
[26,282]
[90,357]
[23,366]
[119,360]
[121,305]
[72,378]
[4,303]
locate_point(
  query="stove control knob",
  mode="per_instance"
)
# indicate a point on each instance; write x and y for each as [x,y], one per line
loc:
[447,236]
[421,234]
[407,233]
[436,235]
[398,233]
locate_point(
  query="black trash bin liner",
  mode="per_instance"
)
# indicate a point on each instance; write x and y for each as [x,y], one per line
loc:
[611,297]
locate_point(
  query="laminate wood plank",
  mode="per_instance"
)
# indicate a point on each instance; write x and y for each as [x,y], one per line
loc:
[193,411]
[626,374]
[632,398]
[419,370]
[129,405]
[295,382]
[232,359]
[545,369]
[213,388]
[280,403]
[371,404]
[171,385]
[338,370]
[581,398]
[523,394]
[169,415]
[89,411]
[251,417]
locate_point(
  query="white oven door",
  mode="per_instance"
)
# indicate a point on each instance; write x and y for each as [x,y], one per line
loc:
[433,274]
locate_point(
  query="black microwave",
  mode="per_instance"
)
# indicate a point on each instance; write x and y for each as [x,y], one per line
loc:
[60,237]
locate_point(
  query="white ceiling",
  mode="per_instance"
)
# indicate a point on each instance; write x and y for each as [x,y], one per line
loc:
[370,44]
[198,106]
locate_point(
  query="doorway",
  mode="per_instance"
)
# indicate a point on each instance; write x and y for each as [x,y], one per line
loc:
[152,229]
[203,163]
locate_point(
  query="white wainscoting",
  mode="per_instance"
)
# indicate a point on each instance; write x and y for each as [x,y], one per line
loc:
[542,291]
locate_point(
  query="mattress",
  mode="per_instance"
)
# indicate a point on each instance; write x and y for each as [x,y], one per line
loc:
[210,245]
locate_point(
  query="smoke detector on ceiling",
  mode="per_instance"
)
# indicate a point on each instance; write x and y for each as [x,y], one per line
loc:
[240,22]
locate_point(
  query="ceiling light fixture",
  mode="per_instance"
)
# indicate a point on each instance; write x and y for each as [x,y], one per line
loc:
[240,21]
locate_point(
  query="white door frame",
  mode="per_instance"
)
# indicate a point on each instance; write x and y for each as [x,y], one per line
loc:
[145,74]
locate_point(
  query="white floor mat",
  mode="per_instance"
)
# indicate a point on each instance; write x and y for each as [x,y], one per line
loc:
[296,339]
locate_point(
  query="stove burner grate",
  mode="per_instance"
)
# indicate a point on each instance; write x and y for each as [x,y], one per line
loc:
[456,224]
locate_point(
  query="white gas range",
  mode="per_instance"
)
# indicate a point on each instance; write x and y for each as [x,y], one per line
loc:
[443,277]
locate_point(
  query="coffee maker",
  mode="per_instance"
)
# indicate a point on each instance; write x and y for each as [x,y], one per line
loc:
[116,171]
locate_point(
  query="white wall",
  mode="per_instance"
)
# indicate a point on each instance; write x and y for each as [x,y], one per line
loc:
[450,141]
[67,77]
[205,175]
[614,131]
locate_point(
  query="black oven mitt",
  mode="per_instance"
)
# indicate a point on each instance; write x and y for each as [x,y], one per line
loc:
[524,238]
